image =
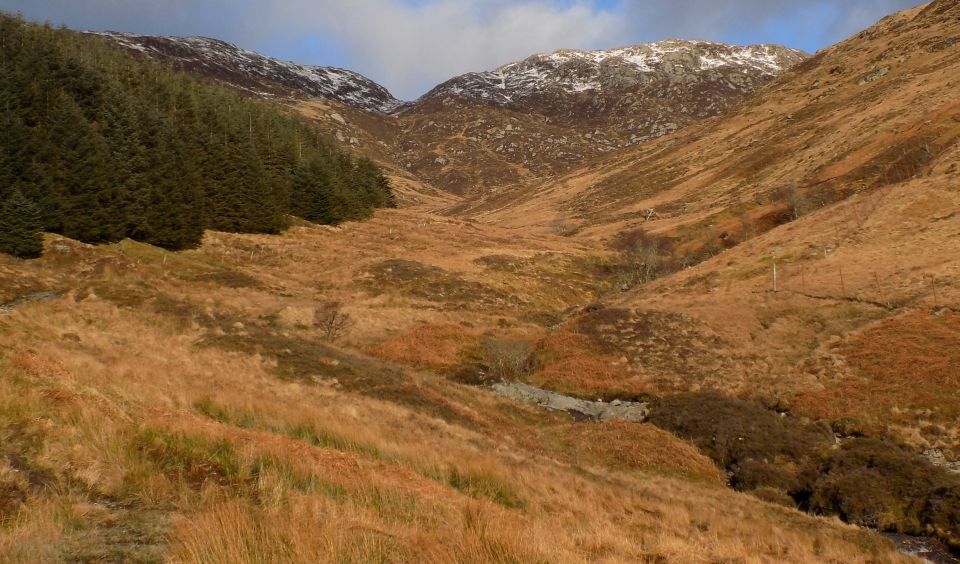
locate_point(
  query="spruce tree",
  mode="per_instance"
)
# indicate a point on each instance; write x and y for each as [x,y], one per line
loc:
[20,227]
[173,217]
[373,185]
[315,192]
[125,131]
[92,202]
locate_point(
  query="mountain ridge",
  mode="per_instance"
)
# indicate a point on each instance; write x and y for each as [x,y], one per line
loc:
[526,74]
[566,107]
[259,74]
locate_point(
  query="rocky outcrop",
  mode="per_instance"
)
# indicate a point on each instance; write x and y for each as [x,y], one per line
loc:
[636,412]
[37,297]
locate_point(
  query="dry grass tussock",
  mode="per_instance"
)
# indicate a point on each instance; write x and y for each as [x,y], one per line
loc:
[911,362]
[575,364]
[123,439]
[623,445]
[428,346]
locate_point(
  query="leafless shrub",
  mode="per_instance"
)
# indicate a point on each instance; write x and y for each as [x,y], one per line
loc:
[507,359]
[332,322]
[644,254]
[796,199]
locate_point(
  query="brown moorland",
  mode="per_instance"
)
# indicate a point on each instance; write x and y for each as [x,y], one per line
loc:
[186,407]
[153,412]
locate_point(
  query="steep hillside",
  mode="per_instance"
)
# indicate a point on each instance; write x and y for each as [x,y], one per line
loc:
[801,252]
[876,110]
[258,74]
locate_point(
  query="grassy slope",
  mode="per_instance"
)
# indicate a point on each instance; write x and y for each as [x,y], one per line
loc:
[170,406]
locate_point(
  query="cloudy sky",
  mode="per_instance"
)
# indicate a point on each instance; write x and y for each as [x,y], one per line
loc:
[411,45]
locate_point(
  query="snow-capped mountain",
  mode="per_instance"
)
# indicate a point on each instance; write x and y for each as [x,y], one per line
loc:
[550,112]
[257,73]
[574,72]
[527,119]
[639,92]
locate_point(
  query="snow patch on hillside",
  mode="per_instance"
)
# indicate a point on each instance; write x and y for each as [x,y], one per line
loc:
[574,71]
[256,73]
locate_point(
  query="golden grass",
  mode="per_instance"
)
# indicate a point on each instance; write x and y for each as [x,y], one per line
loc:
[428,346]
[922,346]
[206,453]
[910,362]
[573,363]
[643,447]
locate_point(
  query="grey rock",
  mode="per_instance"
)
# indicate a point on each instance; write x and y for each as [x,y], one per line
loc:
[580,409]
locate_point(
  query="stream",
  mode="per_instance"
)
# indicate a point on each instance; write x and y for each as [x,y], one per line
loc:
[580,410]
[928,549]
[925,548]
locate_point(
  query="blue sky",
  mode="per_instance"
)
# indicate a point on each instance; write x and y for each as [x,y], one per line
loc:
[410,46]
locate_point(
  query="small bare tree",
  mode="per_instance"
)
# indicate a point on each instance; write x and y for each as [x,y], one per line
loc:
[332,322]
[649,254]
[644,256]
[508,360]
[800,205]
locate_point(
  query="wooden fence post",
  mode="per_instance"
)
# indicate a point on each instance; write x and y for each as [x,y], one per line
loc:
[775,275]
[933,283]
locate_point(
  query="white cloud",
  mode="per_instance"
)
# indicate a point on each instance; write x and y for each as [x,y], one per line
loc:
[413,47]
[810,24]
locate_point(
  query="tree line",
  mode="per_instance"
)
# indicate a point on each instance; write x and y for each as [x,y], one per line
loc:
[99,145]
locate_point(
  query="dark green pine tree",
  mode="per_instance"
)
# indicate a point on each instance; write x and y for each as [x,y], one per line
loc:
[278,158]
[92,202]
[21,168]
[173,217]
[20,227]
[375,189]
[256,208]
[346,197]
[125,129]
[312,196]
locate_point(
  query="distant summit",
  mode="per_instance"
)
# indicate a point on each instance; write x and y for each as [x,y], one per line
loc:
[573,72]
[657,87]
[259,74]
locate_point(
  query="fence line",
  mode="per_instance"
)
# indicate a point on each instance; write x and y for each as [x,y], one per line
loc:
[863,285]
